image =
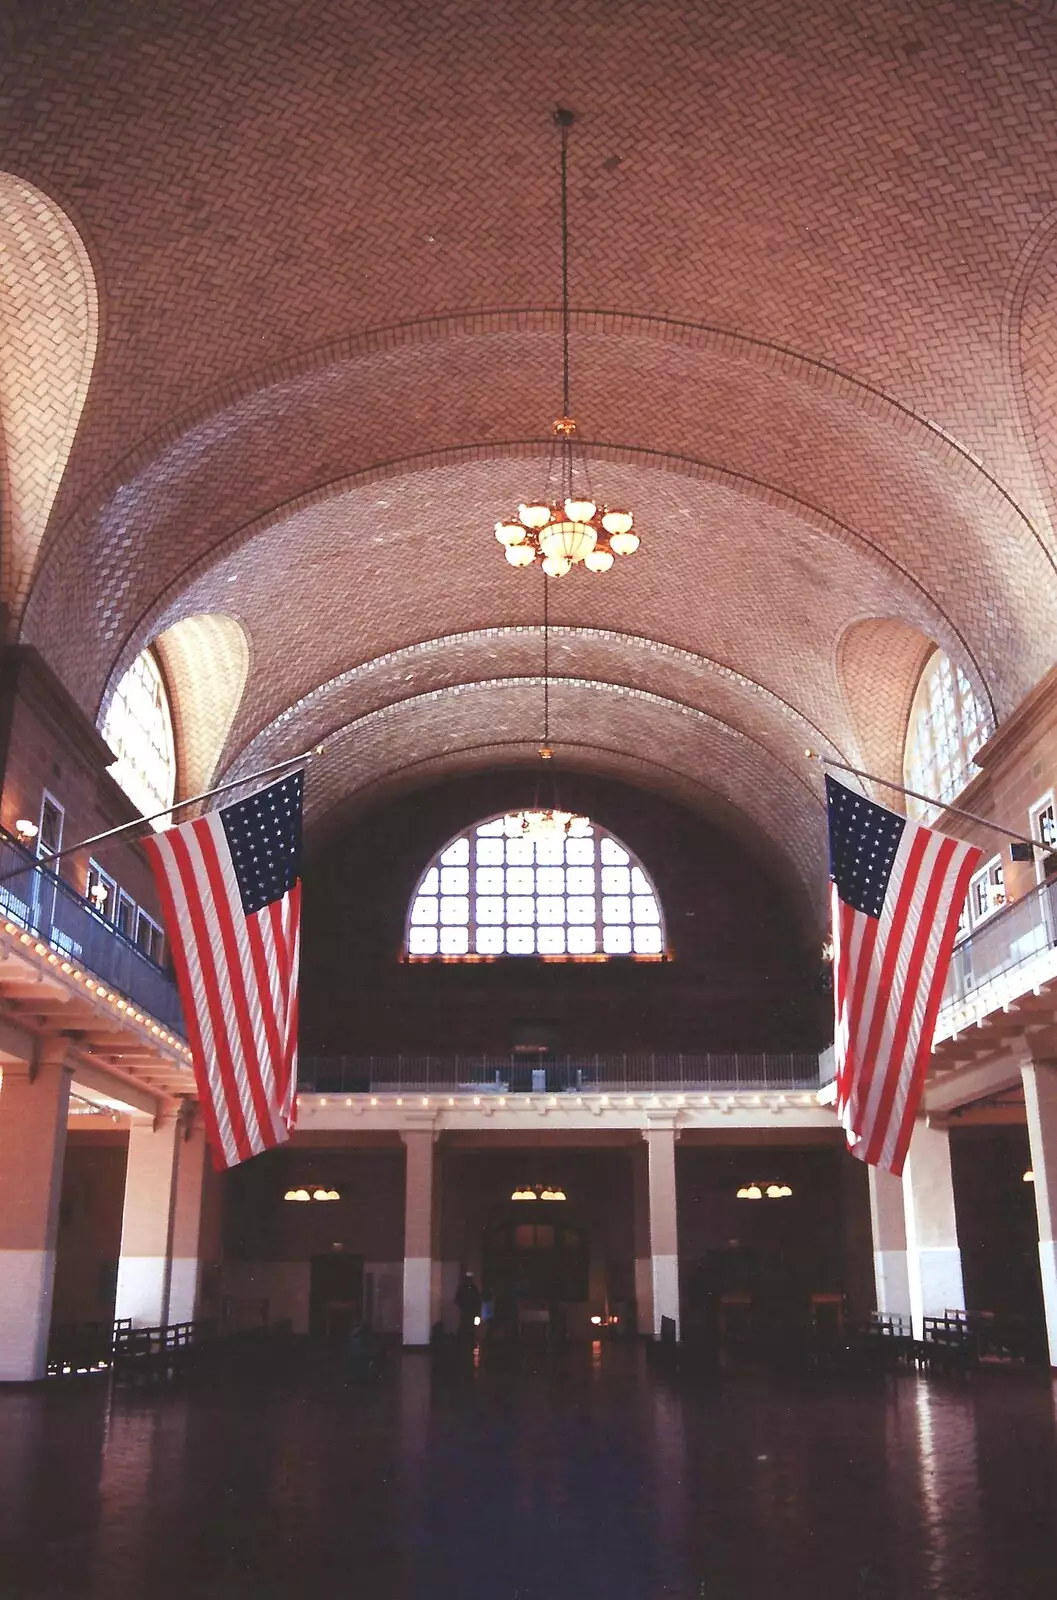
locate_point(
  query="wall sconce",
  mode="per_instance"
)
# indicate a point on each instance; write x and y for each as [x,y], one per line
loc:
[303,1195]
[1029,1176]
[27,831]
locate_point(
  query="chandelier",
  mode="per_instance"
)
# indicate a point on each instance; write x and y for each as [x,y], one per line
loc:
[566,526]
[538,1191]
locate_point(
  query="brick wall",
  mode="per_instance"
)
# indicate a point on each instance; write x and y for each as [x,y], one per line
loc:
[740,977]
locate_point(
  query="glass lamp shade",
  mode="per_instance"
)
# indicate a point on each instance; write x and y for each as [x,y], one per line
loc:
[509,532]
[520,555]
[623,544]
[597,560]
[534,516]
[556,566]
[580,510]
[617,521]
[570,539]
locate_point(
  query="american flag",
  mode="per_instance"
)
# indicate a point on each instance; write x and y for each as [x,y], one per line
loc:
[897,892]
[230,886]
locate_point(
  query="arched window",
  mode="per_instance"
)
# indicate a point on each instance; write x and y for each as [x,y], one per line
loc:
[494,892]
[138,728]
[947,726]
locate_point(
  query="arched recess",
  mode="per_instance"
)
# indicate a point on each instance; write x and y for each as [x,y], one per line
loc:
[206,661]
[49,329]
[880,661]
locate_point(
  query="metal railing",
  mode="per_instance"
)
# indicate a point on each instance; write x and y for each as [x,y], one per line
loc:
[556,1074]
[1009,939]
[42,903]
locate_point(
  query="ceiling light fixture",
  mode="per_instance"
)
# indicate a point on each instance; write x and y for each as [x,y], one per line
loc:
[566,526]
[538,1191]
[769,1191]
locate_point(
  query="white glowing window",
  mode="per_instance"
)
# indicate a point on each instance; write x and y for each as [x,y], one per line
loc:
[947,726]
[138,728]
[487,894]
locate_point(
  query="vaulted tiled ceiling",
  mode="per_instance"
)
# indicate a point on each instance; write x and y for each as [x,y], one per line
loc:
[814,278]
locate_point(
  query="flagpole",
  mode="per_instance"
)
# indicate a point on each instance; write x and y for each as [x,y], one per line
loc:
[177,805]
[956,811]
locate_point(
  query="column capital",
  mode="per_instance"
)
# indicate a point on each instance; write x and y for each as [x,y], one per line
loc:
[662,1122]
[421,1125]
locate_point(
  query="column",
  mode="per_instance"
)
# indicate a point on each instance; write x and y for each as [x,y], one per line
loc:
[1040,1101]
[34,1101]
[640,1218]
[193,1170]
[418,1237]
[887,1215]
[934,1259]
[664,1239]
[144,1266]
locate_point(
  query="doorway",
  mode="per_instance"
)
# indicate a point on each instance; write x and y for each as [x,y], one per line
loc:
[534,1268]
[335,1296]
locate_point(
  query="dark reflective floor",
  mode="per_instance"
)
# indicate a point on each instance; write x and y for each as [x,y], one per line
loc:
[590,1477]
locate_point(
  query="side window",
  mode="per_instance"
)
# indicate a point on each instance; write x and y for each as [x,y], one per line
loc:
[101,890]
[987,891]
[149,937]
[52,817]
[126,914]
[1043,820]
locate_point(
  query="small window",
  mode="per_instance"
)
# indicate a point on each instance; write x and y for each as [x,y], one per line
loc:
[149,937]
[138,728]
[947,726]
[52,817]
[101,890]
[126,914]
[1043,825]
[987,891]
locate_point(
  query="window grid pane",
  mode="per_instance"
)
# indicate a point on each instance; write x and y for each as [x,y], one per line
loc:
[486,895]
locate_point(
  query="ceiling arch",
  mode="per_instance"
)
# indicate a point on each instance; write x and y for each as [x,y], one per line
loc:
[49,326]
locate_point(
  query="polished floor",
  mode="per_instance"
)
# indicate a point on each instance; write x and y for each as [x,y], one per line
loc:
[531,1480]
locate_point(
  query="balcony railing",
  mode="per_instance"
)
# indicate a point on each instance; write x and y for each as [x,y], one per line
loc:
[555,1074]
[42,903]
[1012,938]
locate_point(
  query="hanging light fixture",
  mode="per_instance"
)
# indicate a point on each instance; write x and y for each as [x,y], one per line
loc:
[538,1191]
[543,822]
[566,526]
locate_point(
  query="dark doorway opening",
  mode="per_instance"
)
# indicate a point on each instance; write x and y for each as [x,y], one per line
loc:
[533,1268]
[335,1296]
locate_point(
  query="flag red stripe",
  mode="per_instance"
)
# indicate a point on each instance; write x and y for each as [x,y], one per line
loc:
[897,1049]
[204,948]
[238,1013]
[187,1000]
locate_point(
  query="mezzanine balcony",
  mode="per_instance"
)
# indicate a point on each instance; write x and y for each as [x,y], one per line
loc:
[43,904]
[587,1073]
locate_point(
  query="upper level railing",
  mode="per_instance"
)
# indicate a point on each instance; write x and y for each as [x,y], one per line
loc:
[556,1074]
[41,902]
[1010,939]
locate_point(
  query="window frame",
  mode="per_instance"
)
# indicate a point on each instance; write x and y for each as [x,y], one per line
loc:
[132,775]
[603,922]
[1036,813]
[947,726]
[992,876]
[44,852]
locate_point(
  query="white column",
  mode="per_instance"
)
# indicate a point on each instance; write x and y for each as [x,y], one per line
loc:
[891,1275]
[192,1173]
[143,1269]
[418,1237]
[934,1258]
[1040,1101]
[34,1102]
[664,1236]
[640,1214]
